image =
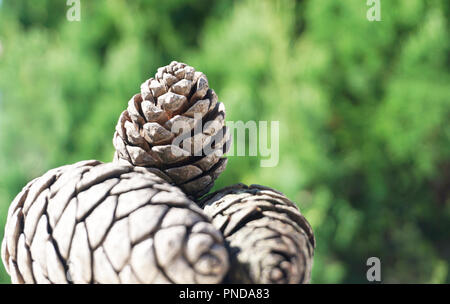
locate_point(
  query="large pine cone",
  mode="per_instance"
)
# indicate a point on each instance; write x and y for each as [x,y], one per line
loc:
[270,241]
[104,223]
[148,133]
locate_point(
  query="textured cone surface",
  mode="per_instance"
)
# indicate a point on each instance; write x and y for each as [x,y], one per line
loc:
[175,125]
[104,223]
[269,240]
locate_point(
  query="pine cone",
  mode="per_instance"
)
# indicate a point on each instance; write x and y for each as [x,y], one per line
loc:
[146,133]
[104,223]
[269,240]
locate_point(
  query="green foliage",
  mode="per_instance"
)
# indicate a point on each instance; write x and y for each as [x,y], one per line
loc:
[363,108]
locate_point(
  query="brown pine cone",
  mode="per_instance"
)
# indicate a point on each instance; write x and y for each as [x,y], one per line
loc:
[148,134]
[104,223]
[269,240]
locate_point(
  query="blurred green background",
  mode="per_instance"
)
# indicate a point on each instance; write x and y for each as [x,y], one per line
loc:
[363,107]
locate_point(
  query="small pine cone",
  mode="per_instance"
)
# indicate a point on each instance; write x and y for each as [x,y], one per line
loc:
[103,223]
[168,125]
[269,240]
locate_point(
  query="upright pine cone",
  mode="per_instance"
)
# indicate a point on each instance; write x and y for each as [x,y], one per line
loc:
[104,223]
[148,132]
[270,241]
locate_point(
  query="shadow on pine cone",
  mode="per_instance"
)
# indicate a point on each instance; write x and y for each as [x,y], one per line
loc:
[103,223]
[146,133]
[269,240]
